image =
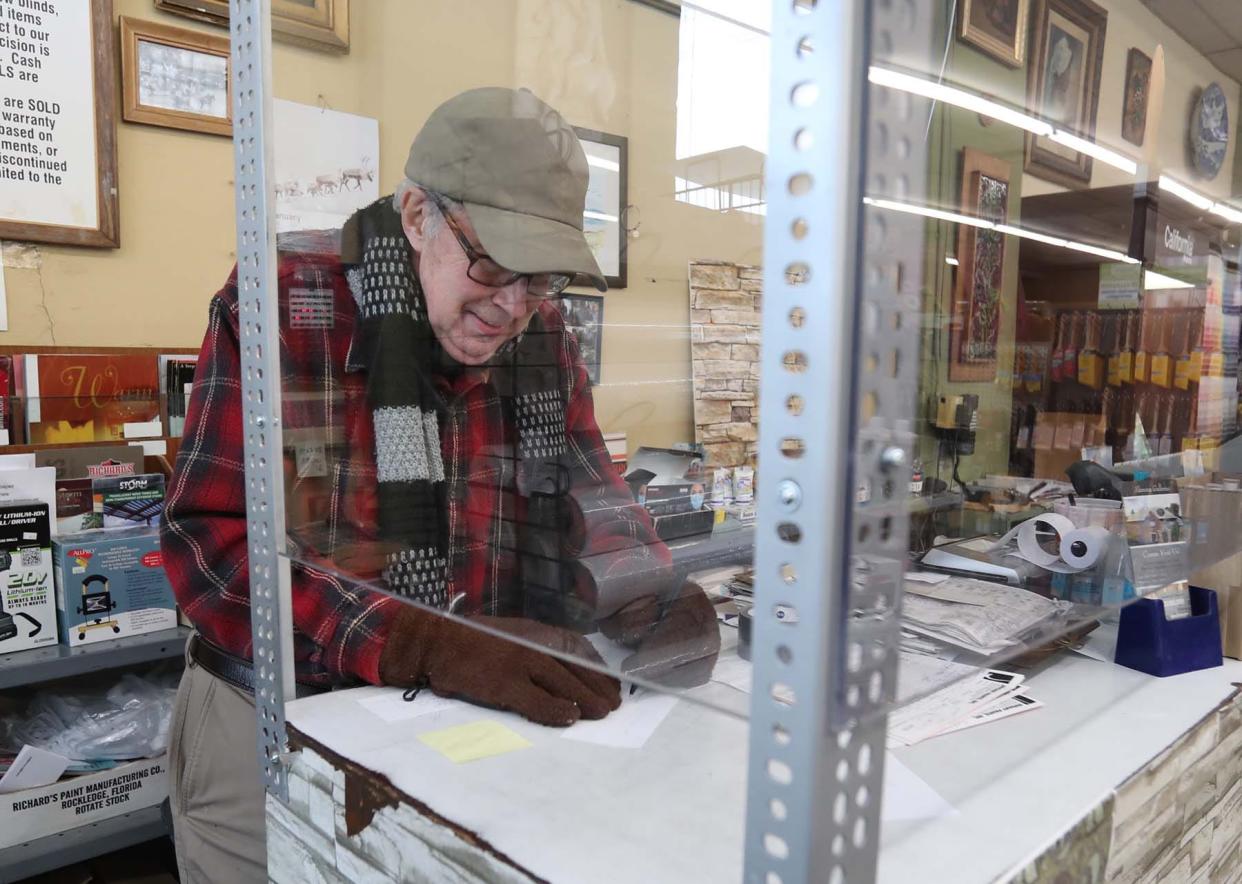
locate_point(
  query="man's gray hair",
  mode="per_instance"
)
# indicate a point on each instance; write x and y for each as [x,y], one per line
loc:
[435,219]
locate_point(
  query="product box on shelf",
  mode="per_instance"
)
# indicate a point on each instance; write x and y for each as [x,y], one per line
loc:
[27,600]
[80,801]
[111,584]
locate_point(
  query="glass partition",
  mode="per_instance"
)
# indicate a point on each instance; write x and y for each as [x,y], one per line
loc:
[521,275]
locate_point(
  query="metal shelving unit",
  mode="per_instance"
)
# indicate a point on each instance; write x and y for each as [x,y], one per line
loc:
[93,839]
[84,842]
[58,661]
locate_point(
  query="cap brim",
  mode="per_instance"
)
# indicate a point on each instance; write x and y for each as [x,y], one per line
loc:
[530,244]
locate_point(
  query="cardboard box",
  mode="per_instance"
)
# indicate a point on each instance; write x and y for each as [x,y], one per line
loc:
[111,584]
[79,801]
[27,602]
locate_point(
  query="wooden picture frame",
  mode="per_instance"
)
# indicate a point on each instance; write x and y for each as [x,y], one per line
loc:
[978,292]
[997,27]
[584,317]
[318,24]
[607,197]
[1063,85]
[175,77]
[87,127]
[1135,93]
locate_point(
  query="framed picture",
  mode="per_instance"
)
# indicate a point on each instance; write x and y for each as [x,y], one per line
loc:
[58,182]
[584,316]
[175,77]
[1137,91]
[1063,85]
[978,295]
[608,161]
[319,24]
[998,27]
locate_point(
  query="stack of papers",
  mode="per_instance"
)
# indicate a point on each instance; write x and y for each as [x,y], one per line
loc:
[971,697]
[981,617]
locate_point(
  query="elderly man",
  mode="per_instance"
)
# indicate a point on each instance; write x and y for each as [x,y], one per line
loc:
[441,446]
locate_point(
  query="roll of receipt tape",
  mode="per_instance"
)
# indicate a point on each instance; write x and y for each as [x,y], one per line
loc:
[1082,547]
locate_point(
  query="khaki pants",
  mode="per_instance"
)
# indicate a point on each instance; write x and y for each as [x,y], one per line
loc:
[215,788]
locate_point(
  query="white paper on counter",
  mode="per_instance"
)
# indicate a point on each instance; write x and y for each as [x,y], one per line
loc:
[32,768]
[391,705]
[908,797]
[629,727]
[17,461]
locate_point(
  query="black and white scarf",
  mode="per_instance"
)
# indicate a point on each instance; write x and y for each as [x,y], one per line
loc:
[399,351]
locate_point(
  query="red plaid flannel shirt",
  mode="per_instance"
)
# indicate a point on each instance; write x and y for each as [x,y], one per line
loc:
[340,625]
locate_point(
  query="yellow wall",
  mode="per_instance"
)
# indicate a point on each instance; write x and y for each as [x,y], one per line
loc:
[609,65]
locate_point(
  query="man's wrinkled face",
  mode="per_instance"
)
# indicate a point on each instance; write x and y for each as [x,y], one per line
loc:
[471,321]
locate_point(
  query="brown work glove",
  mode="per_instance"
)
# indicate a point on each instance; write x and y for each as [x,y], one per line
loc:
[676,643]
[455,659]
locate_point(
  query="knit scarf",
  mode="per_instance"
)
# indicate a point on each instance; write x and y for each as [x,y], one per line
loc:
[401,355]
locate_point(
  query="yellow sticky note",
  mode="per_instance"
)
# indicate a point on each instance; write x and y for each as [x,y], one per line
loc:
[470,742]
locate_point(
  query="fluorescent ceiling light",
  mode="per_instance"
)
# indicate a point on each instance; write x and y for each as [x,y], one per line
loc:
[1110,254]
[958,98]
[1229,213]
[977,103]
[1154,280]
[1101,153]
[602,163]
[1198,200]
[1031,234]
[928,212]
[600,216]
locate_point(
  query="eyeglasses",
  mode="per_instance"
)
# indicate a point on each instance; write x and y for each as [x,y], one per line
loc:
[483,270]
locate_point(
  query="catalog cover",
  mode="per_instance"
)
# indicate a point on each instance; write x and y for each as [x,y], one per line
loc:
[88,397]
[129,501]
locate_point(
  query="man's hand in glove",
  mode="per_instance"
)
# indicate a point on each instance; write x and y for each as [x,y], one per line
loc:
[455,659]
[676,642]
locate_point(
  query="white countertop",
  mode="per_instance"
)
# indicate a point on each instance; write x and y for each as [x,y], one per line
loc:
[673,811]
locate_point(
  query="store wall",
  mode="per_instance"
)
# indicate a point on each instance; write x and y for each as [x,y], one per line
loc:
[951,130]
[1129,25]
[609,65]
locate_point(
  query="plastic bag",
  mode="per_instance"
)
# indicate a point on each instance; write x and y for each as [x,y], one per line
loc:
[128,720]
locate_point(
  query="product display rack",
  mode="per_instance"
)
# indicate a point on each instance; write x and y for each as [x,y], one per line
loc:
[82,843]
[59,661]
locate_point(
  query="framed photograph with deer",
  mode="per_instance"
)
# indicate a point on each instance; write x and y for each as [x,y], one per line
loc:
[58,180]
[979,292]
[326,164]
[175,77]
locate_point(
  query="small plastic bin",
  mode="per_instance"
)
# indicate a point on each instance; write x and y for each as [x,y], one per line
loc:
[1146,641]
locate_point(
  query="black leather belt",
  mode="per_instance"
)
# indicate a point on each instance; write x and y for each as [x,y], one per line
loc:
[235,670]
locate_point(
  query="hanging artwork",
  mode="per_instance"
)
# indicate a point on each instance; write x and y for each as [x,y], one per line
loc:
[1063,85]
[319,24]
[175,77]
[1137,91]
[584,316]
[607,162]
[998,27]
[978,296]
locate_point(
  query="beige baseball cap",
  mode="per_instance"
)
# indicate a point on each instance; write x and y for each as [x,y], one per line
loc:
[520,172]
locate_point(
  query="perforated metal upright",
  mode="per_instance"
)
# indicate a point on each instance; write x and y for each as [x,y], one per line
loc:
[839,368]
[270,595]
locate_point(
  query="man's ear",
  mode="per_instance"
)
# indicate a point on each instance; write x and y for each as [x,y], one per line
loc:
[415,208]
